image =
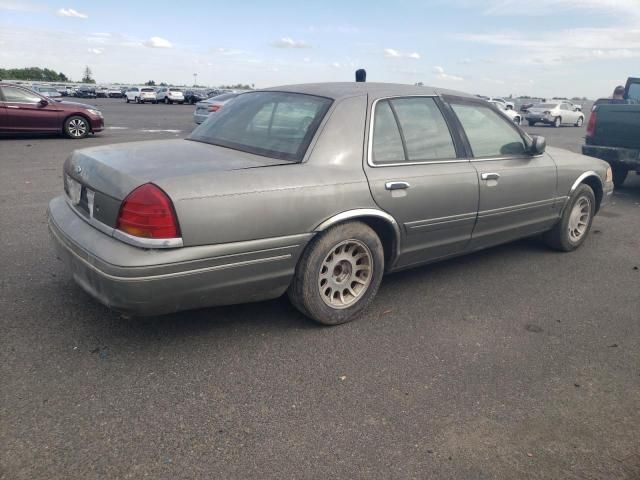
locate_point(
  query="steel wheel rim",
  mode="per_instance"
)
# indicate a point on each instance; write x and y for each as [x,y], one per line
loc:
[77,127]
[345,274]
[579,219]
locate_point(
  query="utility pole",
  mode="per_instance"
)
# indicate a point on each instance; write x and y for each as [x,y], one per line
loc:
[195,79]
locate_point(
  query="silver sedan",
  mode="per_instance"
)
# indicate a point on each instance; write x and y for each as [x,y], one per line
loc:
[317,191]
[555,114]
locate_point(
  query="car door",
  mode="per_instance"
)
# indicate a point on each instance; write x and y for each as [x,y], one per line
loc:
[418,172]
[25,113]
[569,116]
[517,189]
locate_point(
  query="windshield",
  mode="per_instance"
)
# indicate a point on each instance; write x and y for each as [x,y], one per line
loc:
[545,105]
[273,124]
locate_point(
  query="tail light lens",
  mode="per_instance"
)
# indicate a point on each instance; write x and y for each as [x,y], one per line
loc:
[147,212]
[591,126]
[214,108]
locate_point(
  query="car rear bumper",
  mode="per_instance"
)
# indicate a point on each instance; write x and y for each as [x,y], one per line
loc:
[615,156]
[151,282]
[200,117]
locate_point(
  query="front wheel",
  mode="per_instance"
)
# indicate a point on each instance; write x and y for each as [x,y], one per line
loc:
[580,121]
[574,225]
[76,127]
[557,122]
[339,274]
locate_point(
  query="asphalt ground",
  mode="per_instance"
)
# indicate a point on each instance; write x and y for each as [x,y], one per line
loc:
[512,363]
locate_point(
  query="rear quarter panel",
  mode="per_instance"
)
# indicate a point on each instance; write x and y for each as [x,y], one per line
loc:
[279,200]
[572,165]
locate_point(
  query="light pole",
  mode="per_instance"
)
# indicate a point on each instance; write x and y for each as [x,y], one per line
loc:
[195,79]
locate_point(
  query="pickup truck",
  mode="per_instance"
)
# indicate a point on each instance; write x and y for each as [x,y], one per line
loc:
[613,132]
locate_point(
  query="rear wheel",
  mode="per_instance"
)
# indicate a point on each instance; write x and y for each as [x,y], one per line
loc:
[619,175]
[531,123]
[76,127]
[557,122]
[127,99]
[574,225]
[580,121]
[339,274]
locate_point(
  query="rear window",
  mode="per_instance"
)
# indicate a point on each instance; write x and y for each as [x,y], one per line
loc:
[175,90]
[273,124]
[147,90]
[224,96]
[546,105]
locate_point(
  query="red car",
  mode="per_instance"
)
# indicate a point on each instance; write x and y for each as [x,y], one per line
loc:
[25,111]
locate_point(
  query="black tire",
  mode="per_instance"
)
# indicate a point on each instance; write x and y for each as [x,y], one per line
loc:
[331,245]
[531,123]
[76,127]
[154,102]
[559,237]
[127,99]
[166,100]
[557,122]
[137,99]
[579,122]
[619,175]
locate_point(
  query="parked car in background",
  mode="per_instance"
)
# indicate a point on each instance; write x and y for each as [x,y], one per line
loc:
[510,113]
[612,132]
[508,105]
[141,95]
[47,91]
[211,105]
[194,96]
[85,92]
[114,92]
[102,92]
[25,111]
[317,191]
[556,113]
[170,95]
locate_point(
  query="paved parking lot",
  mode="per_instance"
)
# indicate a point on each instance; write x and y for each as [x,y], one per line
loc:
[516,362]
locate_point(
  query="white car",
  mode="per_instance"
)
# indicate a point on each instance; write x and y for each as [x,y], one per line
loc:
[514,116]
[556,113]
[141,95]
[46,91]
[507,105]
[170,95]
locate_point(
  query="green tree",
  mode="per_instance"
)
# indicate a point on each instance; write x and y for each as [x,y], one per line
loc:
[88,75]
[33,74]
[151,83]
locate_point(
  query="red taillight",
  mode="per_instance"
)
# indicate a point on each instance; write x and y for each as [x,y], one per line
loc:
[214,108]
[148,212]
[591,126]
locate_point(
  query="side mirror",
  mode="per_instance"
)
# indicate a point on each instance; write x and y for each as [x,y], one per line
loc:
[538,145]
[43,103]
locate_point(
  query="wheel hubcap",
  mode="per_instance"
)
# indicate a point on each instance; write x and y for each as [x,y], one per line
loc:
[77,128]
[345,274]
[579,219]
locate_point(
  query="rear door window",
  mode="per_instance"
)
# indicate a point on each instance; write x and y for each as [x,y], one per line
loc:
[410,129]
[490,133]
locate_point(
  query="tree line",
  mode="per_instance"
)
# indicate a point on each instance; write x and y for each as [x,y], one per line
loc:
[33,73]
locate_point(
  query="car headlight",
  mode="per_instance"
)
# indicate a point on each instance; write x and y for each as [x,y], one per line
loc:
[97,113]
[609,177]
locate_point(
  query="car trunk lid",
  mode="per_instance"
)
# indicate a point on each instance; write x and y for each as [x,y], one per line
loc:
[116,170]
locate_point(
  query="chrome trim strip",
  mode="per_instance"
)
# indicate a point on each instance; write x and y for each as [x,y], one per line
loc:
[365,212]
[516,208]
[147,242]
[125,237]
[515,157]
[441,220]
[399,164]
[579,180]
[167,275]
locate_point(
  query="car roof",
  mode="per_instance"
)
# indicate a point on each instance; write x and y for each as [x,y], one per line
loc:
[339,90]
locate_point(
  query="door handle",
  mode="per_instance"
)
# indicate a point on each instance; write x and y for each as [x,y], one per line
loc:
[490,176]
[396,185]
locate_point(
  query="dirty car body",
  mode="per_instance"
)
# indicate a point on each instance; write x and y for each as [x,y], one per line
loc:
[255,190]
